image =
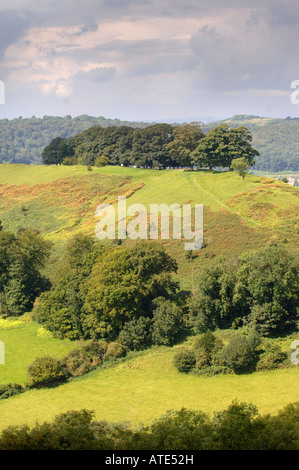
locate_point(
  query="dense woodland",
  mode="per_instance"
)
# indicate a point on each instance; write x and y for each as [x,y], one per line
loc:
[22,140]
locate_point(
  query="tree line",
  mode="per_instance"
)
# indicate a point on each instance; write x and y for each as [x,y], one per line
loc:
[238,427]
[156,146]
[128,294]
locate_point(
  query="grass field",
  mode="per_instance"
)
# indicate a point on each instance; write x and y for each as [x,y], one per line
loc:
[24,341]
[60,201]
[143,388]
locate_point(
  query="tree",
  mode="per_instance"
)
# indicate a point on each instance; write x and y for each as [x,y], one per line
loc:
[267,285]
[21,259]
[167,322]
[123,285]
[212,305]
[136,334]
[241,165]
[222,145]
[149,146]
[240,354]
[102,289]
[185,140]
[57,151]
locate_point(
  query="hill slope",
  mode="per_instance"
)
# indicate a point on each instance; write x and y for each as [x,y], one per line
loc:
[61,201]
[238,215]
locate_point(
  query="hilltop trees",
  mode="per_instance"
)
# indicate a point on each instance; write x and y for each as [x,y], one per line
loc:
[58,150]
[155,146]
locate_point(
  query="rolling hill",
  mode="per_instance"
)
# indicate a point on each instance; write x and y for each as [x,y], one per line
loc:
[60,201]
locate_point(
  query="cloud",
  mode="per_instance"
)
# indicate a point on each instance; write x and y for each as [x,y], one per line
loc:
[243,52]
[165,52]
[98,74]
[12,27]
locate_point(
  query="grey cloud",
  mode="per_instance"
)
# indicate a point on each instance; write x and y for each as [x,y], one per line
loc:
[12,27]
[258,58]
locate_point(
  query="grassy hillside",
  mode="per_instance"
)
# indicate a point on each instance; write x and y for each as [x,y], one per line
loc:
[60,202]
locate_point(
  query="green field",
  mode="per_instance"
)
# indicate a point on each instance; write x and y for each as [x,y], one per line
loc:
[143,388]
[60,201]
[24,341]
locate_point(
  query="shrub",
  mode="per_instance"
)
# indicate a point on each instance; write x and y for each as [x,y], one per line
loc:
[205,341]
[136,334]
[184,360]
[271,358]
[46,370]
[208,351]
[202,358]
[95,349]
[10,389]
[239,355]
[79,361]
[114,351]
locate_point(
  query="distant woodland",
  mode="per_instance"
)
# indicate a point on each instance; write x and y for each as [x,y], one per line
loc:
[23,139]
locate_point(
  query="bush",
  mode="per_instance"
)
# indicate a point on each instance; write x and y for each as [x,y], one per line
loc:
[79,361]
[208,351]
[206,341]
[271,358]
[46,370]
[114,351]
[136,334]
[202,358]
[184,360]
[239,354]
[10,389]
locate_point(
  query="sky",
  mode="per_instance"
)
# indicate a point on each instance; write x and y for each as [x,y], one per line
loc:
[149,60]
